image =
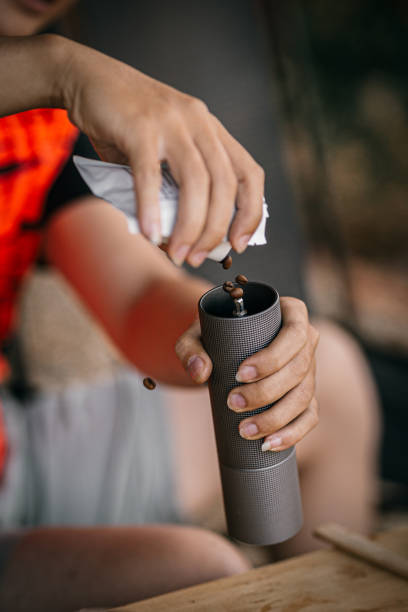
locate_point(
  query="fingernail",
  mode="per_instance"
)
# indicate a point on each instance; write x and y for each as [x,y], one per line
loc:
[198,258]
[242,243]
[236,401]
[180,254]
[246,373]
[195,366]
[154,233]
[271,443]
[248,430]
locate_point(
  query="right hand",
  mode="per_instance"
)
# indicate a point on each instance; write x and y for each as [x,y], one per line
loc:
[132,118]
[282,374]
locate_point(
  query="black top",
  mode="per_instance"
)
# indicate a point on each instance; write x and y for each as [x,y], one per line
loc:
[69,184]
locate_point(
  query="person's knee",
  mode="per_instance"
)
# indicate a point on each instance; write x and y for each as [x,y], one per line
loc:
[344,381]
[211,555]
[346,393]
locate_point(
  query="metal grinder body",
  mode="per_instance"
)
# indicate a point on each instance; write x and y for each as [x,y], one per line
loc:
[261,489]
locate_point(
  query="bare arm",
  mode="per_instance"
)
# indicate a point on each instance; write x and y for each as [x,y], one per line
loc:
[142,300]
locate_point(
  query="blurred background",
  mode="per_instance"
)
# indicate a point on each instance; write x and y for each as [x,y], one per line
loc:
[317,92]
[340,73]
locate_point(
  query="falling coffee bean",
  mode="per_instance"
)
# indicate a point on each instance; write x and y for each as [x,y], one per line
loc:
[227,262]
[237,293]
[149,383]
[241,279]
[228,286]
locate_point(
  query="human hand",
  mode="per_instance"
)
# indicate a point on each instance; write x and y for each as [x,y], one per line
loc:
[283,373]
[132,118]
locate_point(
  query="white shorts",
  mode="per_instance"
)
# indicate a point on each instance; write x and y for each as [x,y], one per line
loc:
[88,455]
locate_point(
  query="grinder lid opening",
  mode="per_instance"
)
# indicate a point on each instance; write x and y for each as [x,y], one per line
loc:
[258,297]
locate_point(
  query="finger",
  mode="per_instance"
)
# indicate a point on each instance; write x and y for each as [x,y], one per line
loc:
[223,191]
[192,355]
[295,431]
[282,413]
[251,180]
[191,174]
[270,389]
[295,333]
[145,164]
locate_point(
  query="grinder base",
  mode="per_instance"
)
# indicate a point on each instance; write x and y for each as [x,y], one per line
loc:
[260,507]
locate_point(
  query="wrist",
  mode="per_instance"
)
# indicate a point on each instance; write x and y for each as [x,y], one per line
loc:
[31,70]
[56,59]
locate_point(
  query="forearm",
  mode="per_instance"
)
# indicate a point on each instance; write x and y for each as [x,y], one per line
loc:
[154,324]
[30,72]
[142,300]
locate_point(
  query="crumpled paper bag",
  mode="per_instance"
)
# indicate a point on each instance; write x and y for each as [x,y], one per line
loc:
[114,184]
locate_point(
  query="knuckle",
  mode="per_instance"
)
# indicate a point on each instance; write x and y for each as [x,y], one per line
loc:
[188,228]
[197,173]
[311,383]
[197,106]
[315,336]
[302,365]
[300,330]
[290,438]
[258,173]
[145,173]
[229,182]
[172,115]
[314,407]
[314,419]
[305,393]
[265,398]
[254,173]
[181,346]
[271,362]
[212,237]
[269,421]
[257,396]
[274,420]
[256,218]
[299,305]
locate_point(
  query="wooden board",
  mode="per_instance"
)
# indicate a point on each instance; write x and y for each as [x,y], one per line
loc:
[322,581]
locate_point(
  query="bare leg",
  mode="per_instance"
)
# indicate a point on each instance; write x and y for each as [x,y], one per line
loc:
[194,454]
[338,459]
[61,570]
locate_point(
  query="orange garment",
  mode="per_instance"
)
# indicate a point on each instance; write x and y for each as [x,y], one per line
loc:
[33,147]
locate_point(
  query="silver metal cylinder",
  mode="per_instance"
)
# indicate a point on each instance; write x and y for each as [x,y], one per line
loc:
[261,489]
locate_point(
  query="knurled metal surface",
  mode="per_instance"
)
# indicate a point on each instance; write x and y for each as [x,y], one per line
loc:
[261,489]
[228,341]
[263,506]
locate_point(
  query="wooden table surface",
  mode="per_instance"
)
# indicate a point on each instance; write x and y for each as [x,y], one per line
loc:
[321,581]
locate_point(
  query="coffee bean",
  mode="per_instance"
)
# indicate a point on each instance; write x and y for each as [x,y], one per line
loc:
[227,262]
[237,293]
[241,279]
[149,383]
[228,286]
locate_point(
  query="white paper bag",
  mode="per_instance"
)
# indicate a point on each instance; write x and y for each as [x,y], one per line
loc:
[114,184]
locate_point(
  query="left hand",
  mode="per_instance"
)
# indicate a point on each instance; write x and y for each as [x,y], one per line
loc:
[283,373]
[132,118]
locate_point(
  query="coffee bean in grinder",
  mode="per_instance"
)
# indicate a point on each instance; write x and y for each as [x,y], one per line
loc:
[261,489]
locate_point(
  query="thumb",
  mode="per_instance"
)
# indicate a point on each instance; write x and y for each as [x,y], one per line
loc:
[192,355]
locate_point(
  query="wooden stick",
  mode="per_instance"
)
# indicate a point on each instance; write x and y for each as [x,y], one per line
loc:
[360,546]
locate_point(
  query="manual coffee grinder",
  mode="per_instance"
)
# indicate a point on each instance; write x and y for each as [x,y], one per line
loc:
[261,489]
